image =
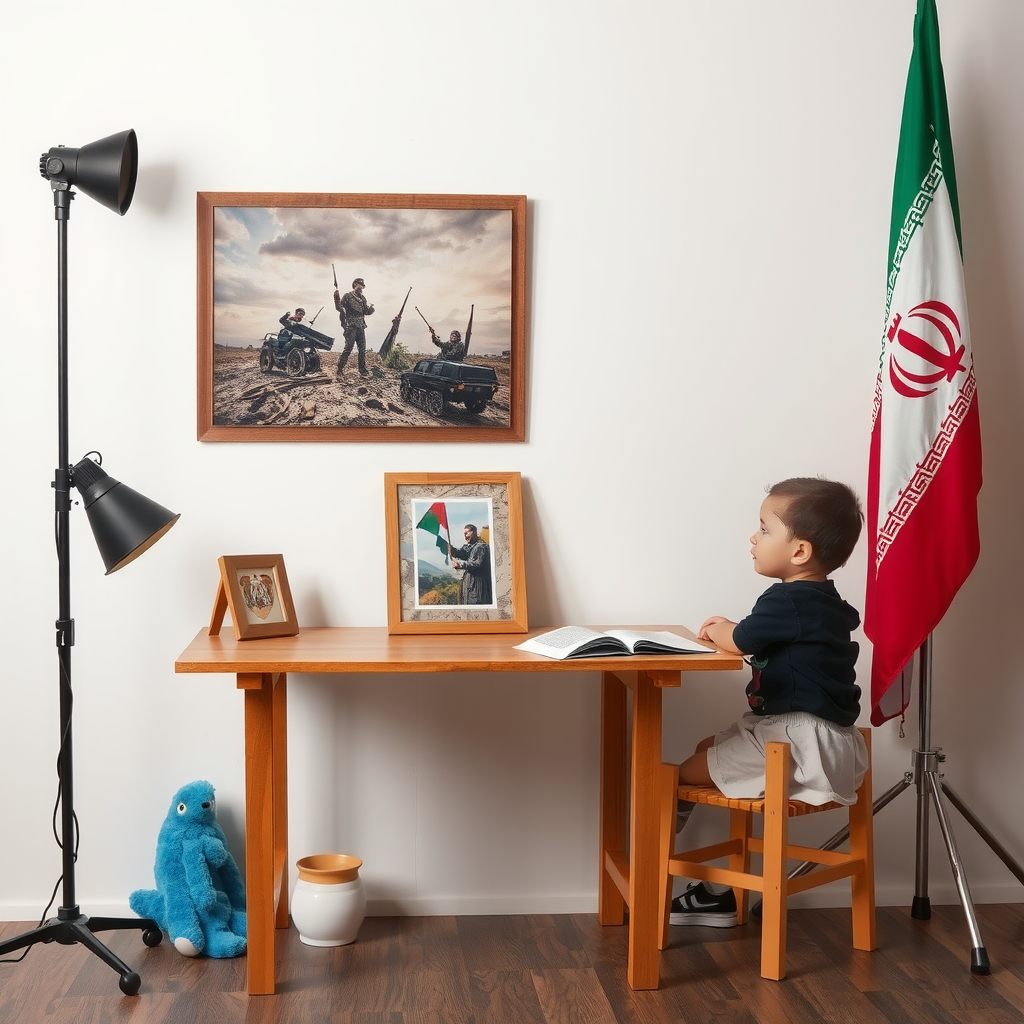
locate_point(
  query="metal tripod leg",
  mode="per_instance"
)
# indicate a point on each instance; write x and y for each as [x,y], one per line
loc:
[929,783]
[979,957]
[994,845]
[921,908]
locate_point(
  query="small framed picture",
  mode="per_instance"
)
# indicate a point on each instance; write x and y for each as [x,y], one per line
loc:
[455,553]
[254,588]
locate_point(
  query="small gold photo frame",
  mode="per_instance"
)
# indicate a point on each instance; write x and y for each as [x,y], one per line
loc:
[254,588]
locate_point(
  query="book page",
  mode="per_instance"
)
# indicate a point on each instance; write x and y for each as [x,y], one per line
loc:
[663,637]
[559,643]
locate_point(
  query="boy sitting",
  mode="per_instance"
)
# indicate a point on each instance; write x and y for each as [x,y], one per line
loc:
[797,641]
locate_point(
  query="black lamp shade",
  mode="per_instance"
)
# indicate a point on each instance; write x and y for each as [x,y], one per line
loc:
[124,522]
[105,170]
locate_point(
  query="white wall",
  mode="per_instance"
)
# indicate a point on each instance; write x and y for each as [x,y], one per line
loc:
[709,204]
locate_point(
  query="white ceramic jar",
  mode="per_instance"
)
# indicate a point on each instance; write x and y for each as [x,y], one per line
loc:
[329,903]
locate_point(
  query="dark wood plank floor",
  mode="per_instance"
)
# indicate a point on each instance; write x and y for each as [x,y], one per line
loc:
[547,970]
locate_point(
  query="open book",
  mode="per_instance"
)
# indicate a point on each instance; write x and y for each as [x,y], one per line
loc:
[581,642]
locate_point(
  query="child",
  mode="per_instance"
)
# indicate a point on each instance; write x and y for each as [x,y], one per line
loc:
[797,640]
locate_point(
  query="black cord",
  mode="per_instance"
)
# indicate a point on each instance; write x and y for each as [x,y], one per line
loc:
[66,683]
[42,921]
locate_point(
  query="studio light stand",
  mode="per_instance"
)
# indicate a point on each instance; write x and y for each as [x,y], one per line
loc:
[931,787]
[124,523]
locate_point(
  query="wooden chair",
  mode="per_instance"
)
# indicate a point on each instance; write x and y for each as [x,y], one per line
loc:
[774,849]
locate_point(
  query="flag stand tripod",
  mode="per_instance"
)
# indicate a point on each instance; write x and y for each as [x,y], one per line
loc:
[931,785]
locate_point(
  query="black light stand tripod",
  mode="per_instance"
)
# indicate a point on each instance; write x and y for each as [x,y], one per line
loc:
[124,522]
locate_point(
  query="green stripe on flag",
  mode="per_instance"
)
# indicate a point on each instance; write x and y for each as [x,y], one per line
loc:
[925,154]
[925,122]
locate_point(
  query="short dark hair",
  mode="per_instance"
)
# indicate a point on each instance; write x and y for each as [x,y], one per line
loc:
[825,513]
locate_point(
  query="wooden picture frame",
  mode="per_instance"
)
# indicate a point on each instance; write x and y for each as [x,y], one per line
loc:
[254,588]
[438,582]
[459,260]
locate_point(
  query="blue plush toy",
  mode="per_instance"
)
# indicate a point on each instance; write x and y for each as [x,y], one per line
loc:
[200,896]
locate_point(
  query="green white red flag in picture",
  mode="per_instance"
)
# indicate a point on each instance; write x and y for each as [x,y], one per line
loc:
[435,521]
[925,462]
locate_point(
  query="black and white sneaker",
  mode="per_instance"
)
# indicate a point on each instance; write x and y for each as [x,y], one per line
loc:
[699,906]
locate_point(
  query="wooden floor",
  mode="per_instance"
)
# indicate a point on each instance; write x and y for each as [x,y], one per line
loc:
[548,970]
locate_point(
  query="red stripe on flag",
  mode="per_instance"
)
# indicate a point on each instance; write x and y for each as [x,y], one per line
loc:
[928,560]
[439,510]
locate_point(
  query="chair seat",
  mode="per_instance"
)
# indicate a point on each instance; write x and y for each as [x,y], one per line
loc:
[714,797]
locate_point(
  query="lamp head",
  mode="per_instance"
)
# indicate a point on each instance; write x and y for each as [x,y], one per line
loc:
[105,170]
[124,522]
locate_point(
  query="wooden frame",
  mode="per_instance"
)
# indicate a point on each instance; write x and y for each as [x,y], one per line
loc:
[458,260]
[255,590]
[439,587]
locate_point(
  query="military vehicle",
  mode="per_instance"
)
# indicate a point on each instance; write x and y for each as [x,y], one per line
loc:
[434,383]
[295,349]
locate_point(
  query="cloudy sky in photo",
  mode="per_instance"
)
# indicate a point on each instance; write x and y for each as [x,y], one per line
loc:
[268,261]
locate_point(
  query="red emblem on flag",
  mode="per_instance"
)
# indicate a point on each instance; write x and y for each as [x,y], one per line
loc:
[937,345]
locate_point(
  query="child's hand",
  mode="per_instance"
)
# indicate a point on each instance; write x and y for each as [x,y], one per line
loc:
[702,633]
[718,629]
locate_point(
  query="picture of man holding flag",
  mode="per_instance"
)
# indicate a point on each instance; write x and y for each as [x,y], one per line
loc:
[475,561]
[460,574]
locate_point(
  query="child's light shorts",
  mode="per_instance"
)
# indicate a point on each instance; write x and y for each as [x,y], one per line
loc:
[829,760]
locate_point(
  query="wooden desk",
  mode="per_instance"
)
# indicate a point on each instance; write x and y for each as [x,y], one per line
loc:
[261,668]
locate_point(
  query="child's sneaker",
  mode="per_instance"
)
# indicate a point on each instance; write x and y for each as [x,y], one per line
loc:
[700,906]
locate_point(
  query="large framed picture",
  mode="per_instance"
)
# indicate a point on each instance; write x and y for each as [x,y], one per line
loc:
[334,317]
[455,553]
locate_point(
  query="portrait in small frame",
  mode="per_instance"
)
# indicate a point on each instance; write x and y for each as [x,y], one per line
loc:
[455,553]
[254,588]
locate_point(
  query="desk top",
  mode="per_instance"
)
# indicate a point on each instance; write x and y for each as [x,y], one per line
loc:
[372,649]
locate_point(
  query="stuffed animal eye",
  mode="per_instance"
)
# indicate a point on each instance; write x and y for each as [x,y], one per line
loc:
[182,808]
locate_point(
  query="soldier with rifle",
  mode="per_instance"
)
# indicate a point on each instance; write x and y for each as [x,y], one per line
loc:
[453,350]
[284,335]
[353,309]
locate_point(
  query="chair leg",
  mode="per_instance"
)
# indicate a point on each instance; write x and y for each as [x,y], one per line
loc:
[741,828]
[668,784]
[776,838]
[862,845]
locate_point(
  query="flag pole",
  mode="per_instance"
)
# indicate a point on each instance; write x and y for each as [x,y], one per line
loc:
[929,782]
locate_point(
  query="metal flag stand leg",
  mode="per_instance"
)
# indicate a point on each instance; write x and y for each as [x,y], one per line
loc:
[931,786]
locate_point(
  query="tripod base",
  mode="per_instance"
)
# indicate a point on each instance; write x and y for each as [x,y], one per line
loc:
[79,929]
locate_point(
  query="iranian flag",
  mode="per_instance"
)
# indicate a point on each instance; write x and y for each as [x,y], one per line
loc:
[435,521]
[925,464]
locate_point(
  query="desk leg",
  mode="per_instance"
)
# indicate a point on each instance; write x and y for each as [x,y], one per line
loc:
[281,801]
[611,906]
[259,827]
[644,828]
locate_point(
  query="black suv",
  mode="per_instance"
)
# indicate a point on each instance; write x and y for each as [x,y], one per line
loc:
[433,383]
